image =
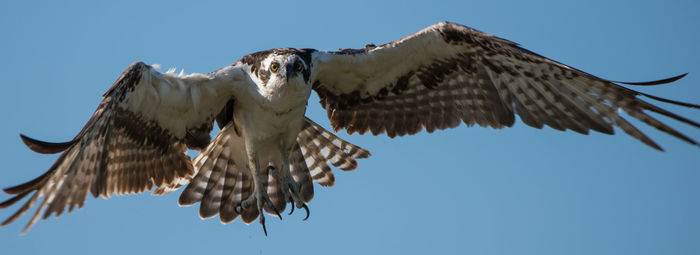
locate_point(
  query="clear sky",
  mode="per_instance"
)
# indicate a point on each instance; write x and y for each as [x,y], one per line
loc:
[461,191]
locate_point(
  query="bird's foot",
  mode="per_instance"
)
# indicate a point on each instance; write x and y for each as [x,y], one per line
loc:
[259,199]
[294,197]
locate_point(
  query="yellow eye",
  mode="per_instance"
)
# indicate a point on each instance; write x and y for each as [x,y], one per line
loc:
[274,67]
[298,66]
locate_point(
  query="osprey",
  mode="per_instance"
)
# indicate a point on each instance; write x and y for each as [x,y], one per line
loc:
[268,153]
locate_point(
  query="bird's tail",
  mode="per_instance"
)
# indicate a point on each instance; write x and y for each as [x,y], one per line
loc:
[224,180]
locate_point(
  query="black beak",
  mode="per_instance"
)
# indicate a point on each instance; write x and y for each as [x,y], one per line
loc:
[290,71]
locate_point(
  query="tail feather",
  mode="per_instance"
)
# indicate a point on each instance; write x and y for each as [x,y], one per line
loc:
[224,179]
[320,147]
[203,163]
[248,215]
[213,193]
[300,173]
[275,191]
[231,197]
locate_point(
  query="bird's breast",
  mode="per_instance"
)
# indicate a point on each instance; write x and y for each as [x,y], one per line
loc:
[270,117]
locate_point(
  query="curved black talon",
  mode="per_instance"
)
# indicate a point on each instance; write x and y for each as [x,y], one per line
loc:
[276,211]
[262,221]
[307,211]
[291,200]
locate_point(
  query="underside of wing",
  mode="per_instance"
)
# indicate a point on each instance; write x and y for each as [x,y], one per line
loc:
[136,139]
[448,74]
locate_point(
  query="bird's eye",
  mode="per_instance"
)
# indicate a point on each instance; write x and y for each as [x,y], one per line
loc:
[298,66]
[274,67]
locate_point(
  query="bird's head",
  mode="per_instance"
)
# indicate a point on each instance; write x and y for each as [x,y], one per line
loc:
[281,73]
[281,68]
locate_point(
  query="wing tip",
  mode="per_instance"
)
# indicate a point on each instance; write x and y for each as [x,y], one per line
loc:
[45,147]
[655,82]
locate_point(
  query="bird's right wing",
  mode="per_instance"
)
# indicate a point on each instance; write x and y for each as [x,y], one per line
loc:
[137,138]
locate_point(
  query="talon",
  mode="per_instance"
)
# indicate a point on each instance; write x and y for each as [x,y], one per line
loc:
[291,200]
[276,211]
[266,200]
[262,221]
[306,208]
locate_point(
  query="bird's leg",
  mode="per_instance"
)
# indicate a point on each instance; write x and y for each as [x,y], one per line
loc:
[259,197]
[256,182]
[290,186]
[284,174]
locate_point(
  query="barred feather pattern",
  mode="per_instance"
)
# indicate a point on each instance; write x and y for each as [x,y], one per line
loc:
[301,174]
[107,159]
[223,180]
[460,97]
[122,149]
[475,94]
[461,75]
[565,98]
[476,78]
[320,147]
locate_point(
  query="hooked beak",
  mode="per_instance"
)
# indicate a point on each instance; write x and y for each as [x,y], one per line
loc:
[290,71]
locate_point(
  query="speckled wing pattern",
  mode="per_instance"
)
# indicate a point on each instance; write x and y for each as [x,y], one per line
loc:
[223,179]
[437,78]
[448,74]
[119,151]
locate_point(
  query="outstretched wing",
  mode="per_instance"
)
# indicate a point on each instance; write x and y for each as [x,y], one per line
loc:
[448,73]
[137,138]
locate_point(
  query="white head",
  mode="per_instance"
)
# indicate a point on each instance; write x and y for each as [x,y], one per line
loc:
[284,70]
[281,73]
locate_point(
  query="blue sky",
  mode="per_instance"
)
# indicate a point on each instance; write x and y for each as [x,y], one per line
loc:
[461,191]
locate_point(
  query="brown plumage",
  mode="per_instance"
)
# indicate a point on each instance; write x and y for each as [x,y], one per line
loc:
[460,75]
[107,157]
[268,153]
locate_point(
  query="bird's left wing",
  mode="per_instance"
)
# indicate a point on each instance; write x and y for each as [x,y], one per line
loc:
[137,138]
[447,74]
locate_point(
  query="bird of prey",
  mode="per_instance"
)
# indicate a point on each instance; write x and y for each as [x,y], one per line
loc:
[268,154]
